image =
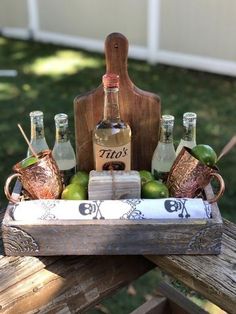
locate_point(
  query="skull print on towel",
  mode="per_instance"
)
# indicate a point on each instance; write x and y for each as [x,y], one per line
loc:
[91,208]
[174,205]
[94,208]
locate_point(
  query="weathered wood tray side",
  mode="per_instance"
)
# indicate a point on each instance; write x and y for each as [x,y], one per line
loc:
[139,108]
[113,237]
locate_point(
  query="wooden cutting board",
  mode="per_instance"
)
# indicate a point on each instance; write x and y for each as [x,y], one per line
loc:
[139,108]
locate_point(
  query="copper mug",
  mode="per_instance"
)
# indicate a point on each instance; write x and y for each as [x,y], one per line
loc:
[188,177]
[41,180]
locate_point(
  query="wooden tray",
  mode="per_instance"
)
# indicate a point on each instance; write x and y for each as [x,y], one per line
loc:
[103,237]
[112,237]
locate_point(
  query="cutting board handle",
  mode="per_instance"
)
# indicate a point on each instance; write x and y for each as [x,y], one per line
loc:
[116,53]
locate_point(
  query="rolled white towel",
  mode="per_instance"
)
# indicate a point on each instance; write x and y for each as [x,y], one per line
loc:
[170,208]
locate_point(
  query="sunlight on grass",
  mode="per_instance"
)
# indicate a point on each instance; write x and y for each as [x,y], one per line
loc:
[18,55]
[207,306]
[63,62]
[213,309]
[8,91]
[2,41]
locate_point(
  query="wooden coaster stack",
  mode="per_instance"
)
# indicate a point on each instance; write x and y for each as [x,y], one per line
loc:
[108,185]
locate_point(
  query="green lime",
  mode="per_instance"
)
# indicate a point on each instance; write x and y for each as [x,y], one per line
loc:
[155,189]
[74,192]
[29,161]
[81,178]
[205,154]
[145,176]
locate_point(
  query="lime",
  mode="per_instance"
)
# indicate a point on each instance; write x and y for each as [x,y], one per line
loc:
[205,154]
[74,192]
[81,178]
[29,161]
[145,176]
[155,189]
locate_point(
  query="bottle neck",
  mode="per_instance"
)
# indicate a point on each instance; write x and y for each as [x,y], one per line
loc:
[166,135]
[37,129]
[111,105]
[189,133]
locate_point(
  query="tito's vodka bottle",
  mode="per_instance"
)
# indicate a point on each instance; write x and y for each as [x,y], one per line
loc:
[37,138]
[189,137]
[63,151]
[164,154]
[111,136]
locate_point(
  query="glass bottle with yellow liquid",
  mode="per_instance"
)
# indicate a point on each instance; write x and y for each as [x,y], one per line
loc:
[37,139]
[164,154]
[112,136]
[189,137]
[63,151]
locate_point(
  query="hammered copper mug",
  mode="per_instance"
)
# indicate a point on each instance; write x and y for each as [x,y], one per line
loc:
[41,180]
[188,177]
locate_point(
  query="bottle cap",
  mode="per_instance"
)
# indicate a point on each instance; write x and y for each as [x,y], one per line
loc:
[189,118]
[167,120]
[61,119]
[36,113]
[36,116]
[168,117]
[110,80]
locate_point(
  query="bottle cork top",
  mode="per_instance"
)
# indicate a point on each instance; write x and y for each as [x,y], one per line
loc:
[110,80]
[189,118]
[61,119]
[36,113]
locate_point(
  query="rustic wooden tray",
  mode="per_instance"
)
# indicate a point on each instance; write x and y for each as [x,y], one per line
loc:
[107,237]
[142,111]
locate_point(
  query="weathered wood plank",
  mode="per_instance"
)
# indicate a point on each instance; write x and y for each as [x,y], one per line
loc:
[51,284]
[73,284]
[212,276]
[229,229]
[157,305]
[178,303]
[119,237]
[14,269]
[169,301]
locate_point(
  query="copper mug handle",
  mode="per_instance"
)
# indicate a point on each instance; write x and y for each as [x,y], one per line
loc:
[7,185]
[222,187]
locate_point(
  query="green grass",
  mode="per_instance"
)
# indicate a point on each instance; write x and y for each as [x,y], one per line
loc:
[49,77]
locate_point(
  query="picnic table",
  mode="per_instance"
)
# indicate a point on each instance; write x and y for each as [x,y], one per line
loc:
[74,284]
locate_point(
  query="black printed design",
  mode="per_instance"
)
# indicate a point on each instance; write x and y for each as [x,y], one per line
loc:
[208,209]
[91,208]
[47,206]
[133,213]
[174,205]
[94,208]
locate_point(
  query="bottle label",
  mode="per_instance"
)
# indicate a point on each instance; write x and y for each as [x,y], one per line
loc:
[112,158]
